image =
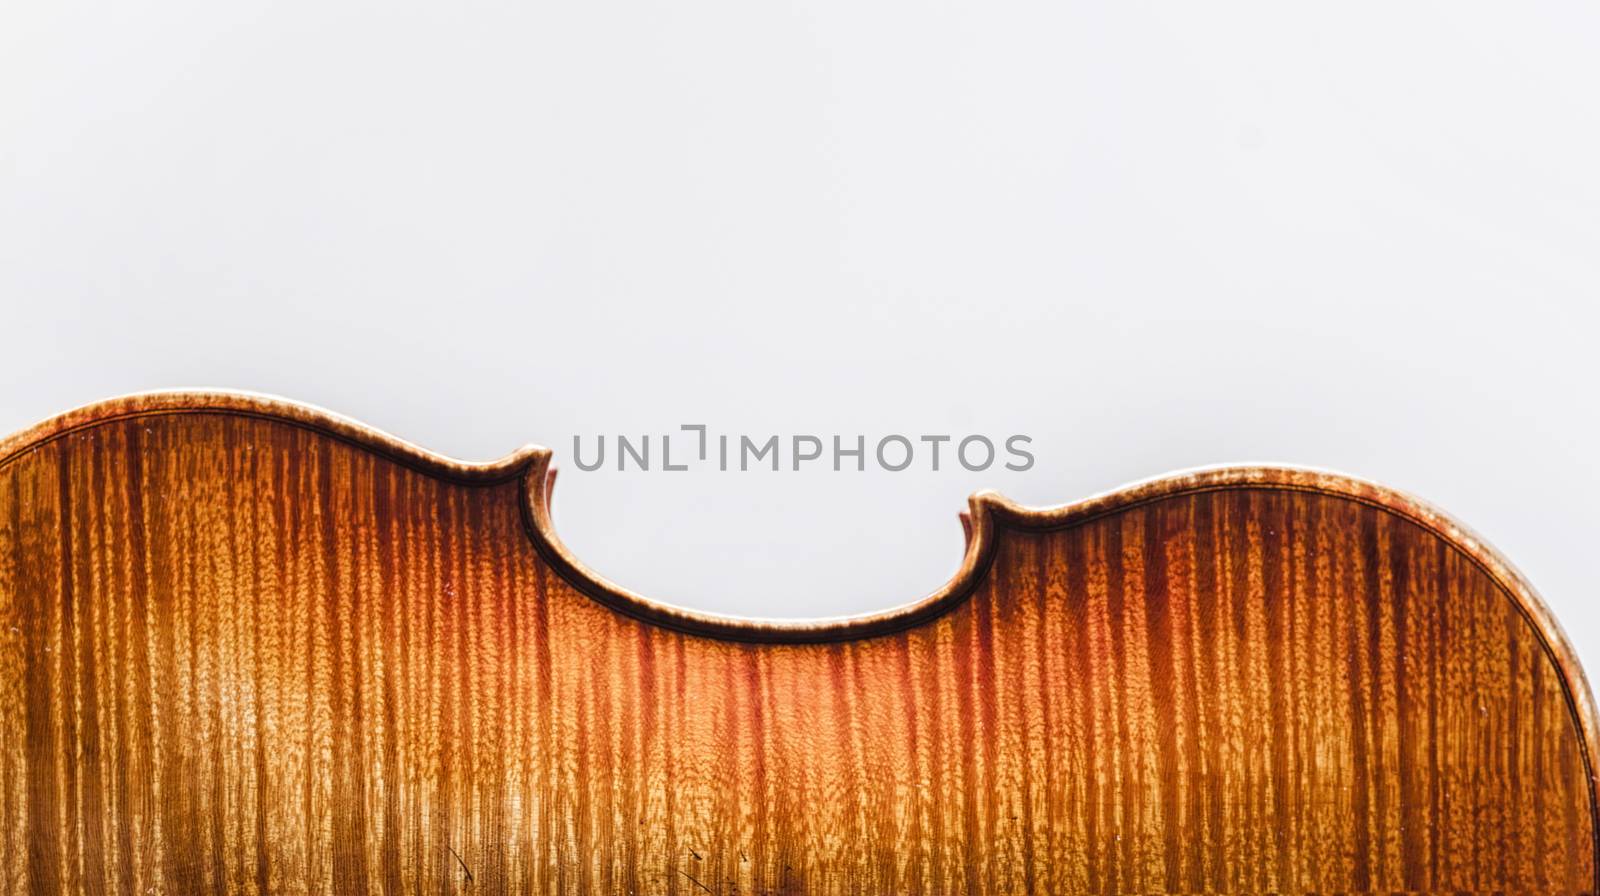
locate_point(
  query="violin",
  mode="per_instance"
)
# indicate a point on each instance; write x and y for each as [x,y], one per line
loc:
[255,647]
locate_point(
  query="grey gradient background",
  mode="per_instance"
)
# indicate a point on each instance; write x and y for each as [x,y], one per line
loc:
[1152,236]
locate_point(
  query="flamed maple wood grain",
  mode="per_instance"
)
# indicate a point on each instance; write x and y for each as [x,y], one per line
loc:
[252,648]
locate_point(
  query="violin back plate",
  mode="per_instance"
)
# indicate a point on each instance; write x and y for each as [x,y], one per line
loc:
[249,646]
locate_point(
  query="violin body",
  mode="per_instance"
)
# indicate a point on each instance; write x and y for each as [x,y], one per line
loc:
[251,647]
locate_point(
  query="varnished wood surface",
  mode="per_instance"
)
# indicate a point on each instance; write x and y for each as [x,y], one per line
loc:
[248,647]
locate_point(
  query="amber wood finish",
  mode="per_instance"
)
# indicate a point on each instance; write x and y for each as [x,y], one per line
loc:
[249,646]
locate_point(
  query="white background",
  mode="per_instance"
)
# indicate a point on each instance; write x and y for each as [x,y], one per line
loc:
[1151,236]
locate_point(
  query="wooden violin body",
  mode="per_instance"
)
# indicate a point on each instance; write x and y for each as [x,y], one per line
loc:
[249,647]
